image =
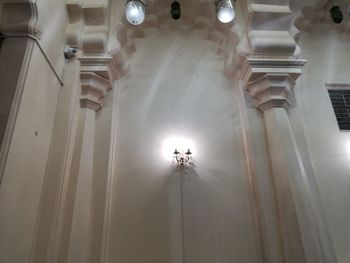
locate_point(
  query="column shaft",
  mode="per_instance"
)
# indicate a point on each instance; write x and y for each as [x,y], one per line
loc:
[286,168]
[82,226]
[83,173]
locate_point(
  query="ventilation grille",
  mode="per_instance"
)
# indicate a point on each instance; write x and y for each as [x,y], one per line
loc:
[341,105]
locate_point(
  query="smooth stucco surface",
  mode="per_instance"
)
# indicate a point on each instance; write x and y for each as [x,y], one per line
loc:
[176,87]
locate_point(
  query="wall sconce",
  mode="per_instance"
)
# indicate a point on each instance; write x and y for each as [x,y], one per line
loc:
[183,159]
[135,12]
[179,150]
[225,10]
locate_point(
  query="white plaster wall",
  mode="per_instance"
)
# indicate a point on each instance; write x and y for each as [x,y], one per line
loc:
[53,21]
[176,87]
[24,172]
[50,232]
[101,169]
[328,58]
[22,187]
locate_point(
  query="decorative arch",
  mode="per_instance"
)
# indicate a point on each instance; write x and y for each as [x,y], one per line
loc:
[93,41]
[225,37]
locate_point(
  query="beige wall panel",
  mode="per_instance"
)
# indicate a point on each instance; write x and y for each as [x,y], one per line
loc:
[176,87]
[101,169]
[56,178]
[329,147]
[10,73]
[26,162]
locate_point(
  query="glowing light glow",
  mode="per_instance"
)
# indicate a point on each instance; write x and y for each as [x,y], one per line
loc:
[135,12]
[225,10]
[180,143]
[226,15]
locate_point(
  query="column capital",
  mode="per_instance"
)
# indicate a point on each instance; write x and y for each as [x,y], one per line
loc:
[270,81]
[97,74]
[94,87]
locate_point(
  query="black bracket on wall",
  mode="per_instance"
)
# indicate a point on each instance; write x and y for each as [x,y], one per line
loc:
[175,10]
[336,14]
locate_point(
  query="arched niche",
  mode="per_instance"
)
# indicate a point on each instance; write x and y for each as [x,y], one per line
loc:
[175,86]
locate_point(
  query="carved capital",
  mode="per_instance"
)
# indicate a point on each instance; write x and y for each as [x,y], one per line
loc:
[271,81]
[94,87]
[271,90]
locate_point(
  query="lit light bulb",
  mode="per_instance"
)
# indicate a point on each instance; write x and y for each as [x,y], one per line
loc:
[135,12]
[226,15]
[225,10]
[177,144]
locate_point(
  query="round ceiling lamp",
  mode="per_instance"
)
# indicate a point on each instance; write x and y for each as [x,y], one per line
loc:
[135,12]
[225,10]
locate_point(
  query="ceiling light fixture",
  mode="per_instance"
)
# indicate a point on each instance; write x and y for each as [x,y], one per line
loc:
[225,10]
[135,12]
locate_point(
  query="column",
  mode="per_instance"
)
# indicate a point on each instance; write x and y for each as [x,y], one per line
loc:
[81,249]
[269,82]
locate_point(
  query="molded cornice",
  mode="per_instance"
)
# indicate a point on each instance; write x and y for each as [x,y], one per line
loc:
[104,66]
[254,68]
[19,17]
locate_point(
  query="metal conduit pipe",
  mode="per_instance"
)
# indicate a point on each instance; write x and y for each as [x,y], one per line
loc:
[3,36]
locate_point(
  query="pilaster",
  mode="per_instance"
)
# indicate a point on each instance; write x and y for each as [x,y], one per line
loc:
[269,82]
[95,83]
